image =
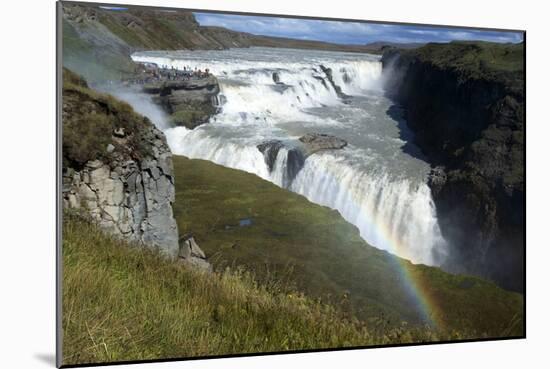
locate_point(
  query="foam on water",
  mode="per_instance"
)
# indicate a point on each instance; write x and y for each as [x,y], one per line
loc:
[282,94]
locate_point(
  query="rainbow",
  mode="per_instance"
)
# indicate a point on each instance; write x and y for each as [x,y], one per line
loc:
[418,288]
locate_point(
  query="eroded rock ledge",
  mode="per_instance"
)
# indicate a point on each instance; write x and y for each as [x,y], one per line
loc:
[117,168]
[130,198]
[190,103]
[297,153]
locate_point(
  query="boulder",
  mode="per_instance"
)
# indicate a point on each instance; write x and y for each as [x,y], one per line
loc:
[119,132]
[191,254]
[314,142]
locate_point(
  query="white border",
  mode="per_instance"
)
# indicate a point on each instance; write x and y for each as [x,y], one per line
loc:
[27,184]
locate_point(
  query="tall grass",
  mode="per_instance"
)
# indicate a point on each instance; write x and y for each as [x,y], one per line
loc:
[125,302]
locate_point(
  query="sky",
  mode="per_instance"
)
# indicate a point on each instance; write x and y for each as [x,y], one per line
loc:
[349,32]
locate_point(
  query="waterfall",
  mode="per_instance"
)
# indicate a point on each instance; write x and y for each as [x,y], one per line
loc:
[266,97]
[392,213]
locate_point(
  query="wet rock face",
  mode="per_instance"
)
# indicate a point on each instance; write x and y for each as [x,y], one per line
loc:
[128,197]
[270,149]
[308,145]
[190,103]
[436,179]
[471,127]
[338,89]
[294,161]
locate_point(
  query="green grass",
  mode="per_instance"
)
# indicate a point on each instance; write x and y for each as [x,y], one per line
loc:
[313,248]
[89,119]
[126,302]
[490,61]
[122,301]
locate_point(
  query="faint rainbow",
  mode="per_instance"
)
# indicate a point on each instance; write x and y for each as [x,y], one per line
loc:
[418,288]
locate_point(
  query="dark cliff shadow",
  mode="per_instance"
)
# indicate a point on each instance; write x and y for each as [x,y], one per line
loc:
[405,133]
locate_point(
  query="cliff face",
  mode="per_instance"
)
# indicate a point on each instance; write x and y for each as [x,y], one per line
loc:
[466,102]
[190,103]
[117,167]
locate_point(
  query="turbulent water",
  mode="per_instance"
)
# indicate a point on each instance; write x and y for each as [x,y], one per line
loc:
[377,182]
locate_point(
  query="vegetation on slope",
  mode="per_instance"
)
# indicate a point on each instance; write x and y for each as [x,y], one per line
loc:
[503,63]
[89,120]
[125,302]
[240,219]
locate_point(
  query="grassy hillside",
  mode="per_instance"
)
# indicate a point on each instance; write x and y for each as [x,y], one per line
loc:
[89,118]
[283,236]
[125,302]
[503,63]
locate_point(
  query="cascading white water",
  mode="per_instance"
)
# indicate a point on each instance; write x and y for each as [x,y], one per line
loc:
[282,94]
[394,214]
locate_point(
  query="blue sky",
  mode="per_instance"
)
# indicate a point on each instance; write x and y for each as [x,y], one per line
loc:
[348,32]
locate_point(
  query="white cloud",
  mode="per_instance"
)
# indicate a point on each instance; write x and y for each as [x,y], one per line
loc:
[348,32]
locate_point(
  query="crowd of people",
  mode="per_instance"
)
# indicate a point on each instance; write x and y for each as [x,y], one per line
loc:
[152,73]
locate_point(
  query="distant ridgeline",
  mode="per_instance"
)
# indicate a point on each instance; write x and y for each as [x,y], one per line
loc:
[466,102]
[97,43]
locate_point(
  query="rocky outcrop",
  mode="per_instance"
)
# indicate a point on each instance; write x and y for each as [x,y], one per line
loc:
[314,142]
[465,101]
[191,254]
[120,175]
[294,161]
[129,198]
[437,179]
[297,154]
[270,150]
[338,89]
[190,103]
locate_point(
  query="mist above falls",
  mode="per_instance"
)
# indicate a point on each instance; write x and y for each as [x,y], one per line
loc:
[282,94]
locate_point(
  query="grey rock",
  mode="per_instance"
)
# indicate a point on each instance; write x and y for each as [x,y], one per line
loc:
[195,249]
[128,198]
[110,148]
[198,263]
[119,132]
[297,154]
[270,150]
[337,89]
[437,179]
[314,142]
[191,254]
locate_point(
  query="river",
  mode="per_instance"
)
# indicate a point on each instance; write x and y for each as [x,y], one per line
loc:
[377,182]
